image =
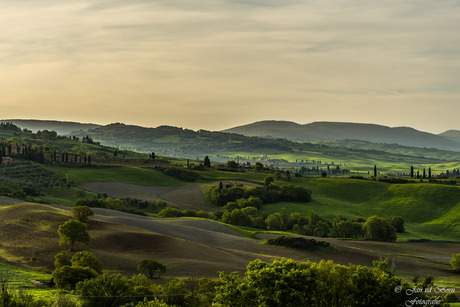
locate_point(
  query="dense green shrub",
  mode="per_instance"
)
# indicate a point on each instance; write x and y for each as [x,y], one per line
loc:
[181,174]
[87,260]
[289,283]
[67,277]
[298,242]
[379,229]
[455,262]
[267,194]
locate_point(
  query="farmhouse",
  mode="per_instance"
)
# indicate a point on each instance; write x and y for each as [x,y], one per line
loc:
[6,160]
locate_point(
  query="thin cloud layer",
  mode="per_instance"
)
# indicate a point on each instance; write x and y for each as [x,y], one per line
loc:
[213,64]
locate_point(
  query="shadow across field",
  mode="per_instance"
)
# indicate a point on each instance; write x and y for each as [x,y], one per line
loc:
[192,247]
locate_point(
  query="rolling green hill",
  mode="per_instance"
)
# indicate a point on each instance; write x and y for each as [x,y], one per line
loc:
[60,127]
[222,147]
[430,210]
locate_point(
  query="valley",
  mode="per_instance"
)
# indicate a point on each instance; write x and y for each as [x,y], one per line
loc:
[162,210]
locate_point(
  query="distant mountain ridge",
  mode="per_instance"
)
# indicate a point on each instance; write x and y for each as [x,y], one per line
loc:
[354,131]
[61,127]
[406,136]
[453,135]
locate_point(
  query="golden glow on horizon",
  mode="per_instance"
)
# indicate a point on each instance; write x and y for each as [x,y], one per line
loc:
[214,64]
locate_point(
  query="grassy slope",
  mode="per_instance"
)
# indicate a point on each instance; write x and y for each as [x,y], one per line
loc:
[430,210]
[190,247]
[110,173]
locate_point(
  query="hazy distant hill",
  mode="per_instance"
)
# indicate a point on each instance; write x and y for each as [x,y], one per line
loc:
[177,140]
[453,135]
[343,131]
[60,127]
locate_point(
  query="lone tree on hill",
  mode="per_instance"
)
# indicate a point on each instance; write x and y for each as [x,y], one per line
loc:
[81,213]
[73,231]
[151,266]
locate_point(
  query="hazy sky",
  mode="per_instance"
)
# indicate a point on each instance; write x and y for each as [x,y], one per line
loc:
[214,64]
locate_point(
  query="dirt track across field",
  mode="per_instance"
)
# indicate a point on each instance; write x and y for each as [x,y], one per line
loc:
[183,197]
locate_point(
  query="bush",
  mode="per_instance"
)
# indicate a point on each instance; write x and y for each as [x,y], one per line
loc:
[105,290]
[398,223]
[170,212]
[181,174]
[455,262]
[67,277]
[87,260]
[298,242]
[379,229]
[451,298]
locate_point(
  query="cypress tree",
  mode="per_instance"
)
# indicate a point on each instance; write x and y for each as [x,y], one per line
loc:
[411,172]
[429,173]
[375,171]
[424,174]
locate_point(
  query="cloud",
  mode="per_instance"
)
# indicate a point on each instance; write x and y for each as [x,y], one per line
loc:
[165,56]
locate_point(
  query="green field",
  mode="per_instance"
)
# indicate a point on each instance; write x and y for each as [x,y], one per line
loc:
[430,210]
[19,278]
[362,162]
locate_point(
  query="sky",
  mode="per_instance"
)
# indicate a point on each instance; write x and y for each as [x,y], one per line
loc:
[216,64]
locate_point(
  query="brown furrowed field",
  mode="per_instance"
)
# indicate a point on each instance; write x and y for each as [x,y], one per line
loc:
[193,247]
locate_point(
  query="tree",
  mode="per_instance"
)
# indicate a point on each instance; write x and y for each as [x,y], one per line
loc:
[105,290]
[207,162]
[411,172]
[232,165]
[268,180]
[258,167]
[81,213]
[398,223]
[87,260]
[379,229]
[375,171]
[61,259]
[67,277]
[455,262]
[73,231]
[151,266]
